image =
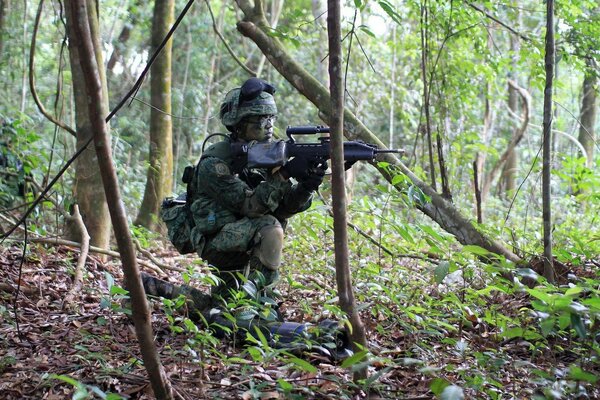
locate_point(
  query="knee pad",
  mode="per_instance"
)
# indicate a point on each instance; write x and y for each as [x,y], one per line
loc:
[270,246]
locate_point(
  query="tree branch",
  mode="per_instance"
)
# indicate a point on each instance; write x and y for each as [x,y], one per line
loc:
[490,16]
[517,136]
[32,75]
[229,49]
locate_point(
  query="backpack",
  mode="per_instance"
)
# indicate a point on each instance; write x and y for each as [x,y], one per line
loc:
[187,223]
[177,216]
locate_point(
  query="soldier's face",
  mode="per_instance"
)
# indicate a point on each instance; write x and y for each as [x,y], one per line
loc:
[258,128]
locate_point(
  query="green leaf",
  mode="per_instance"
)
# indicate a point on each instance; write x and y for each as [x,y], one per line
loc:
[357,357]
[477,250]
[578,325]
[577,374]
[546,298]
[438,385]
[593,302]
[573,291]
[303,364]
[441,271]
[68,379]
[513,332]
[452,392]
[285,385]
[110,281]
[115,290]
[547,326]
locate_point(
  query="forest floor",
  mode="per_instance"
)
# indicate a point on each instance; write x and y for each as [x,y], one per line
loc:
[50,350]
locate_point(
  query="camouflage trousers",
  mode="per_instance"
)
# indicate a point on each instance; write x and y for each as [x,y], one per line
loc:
[235,250]
[197,302]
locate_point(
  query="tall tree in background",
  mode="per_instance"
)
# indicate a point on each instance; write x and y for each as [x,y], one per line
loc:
[512,162]
[547,144]
[160,170]
[338,187]
[87,188]
[2,18]
[589,109]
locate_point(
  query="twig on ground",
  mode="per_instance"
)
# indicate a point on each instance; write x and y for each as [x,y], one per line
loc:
[85,248]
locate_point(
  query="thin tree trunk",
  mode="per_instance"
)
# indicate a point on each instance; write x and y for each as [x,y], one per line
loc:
[392,91]
[24,76]
[160,171]
[119,46]
[93,91]
[214,61]
[426,92]
[512,161]
[2,27]
[338,187]
[486,135]
[588,113]
[181,124]
[547,147]
[87,188]
[319,10]
[516,139]
[255,27]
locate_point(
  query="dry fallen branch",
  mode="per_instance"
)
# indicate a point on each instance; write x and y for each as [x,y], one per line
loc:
[57,241]
[85,248]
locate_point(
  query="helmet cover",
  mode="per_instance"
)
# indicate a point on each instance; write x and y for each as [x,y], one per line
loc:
[255,97]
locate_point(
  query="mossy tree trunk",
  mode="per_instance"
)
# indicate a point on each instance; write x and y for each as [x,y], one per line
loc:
[87,188]
[444,213]
[159,180]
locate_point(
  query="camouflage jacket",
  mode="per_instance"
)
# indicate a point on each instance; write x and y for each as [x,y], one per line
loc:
[222,191]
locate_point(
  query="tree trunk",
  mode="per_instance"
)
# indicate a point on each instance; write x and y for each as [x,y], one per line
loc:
[119,45]
[87,188]
[318,11]
[424,23]
[512,161]
[254,26]
[547,147]
[160,171]
[2,20]
[338,187]
[510,166]
[587,134]
[93,91]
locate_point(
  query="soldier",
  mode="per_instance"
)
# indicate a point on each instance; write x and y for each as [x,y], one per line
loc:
[239,214]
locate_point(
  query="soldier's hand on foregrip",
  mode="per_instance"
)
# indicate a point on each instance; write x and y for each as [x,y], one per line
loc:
[298,168]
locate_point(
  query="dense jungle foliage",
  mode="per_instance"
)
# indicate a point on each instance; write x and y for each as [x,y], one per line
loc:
[444,319]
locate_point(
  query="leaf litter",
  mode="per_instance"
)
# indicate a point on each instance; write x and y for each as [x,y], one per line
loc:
[95,345]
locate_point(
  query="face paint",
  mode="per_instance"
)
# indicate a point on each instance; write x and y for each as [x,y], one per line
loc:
[258,128]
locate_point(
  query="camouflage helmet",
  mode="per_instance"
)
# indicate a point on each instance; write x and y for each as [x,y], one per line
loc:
[255,97]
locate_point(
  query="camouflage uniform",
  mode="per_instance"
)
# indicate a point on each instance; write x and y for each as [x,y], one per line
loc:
[239,215]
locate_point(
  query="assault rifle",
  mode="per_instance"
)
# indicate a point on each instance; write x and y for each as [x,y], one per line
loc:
[277,153]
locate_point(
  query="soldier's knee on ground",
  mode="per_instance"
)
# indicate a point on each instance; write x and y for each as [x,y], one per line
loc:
[270,246]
